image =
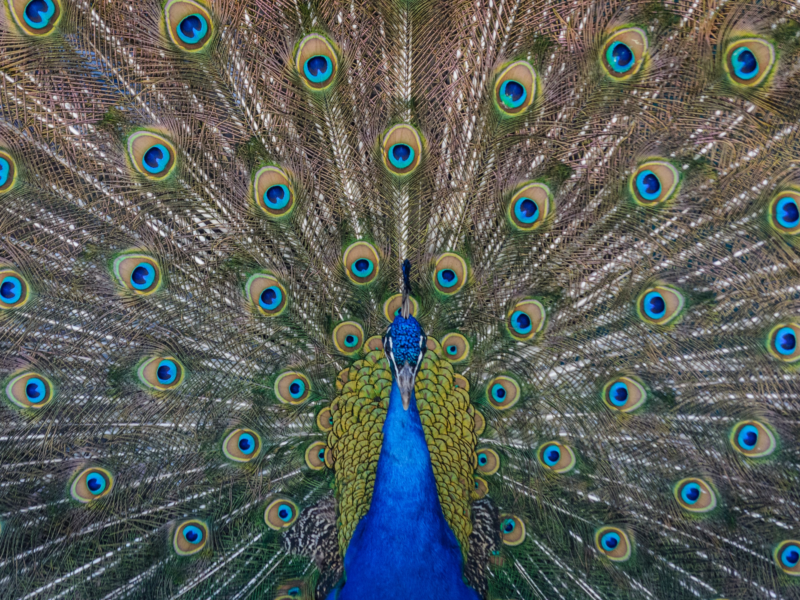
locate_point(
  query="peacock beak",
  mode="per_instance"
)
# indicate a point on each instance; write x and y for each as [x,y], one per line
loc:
[405,381]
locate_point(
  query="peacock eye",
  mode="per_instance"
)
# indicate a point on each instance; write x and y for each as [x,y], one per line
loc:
[401,146]
[151,154]
[784,212]
[292,590]
[660,305]
[241,445]
[138,273]
[613,543]
[526,319]
[273,192]
[325,419]
[488,461]
[280,513]
[530,206]
[316,62]
[450,273]
[8,171]
[292,387]
[695,495]
[361,263]
[190,537]
[90,484]
[189,24]
[502,392]
[36,17]
[782,342]
[512,530]
[515,88]
[392,306]
[624,394]
[456,347]
[624,53]
[315,456]
[161,373]
[787,556]
[480,423]
[267,294]
[348,337]
[556,457]
[30,390]
[749,61]
[14,290]
[753,439]
[654,182]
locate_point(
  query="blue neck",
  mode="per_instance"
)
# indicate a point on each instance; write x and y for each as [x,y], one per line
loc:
[403,547]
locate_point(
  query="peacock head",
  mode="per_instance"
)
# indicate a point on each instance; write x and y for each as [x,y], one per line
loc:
[404,343]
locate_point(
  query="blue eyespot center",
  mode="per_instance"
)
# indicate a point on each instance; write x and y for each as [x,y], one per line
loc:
[270,298]
[193,534]
[508,526]
[551,455]
[5,171]
[285,513]
[10,289]
[748,437]
[401,155]
[482,459]
[156,158]
[143,276]
[447,278]
[498,392]
[787,213]
[192,28]
[785,341]
[35,390]
[318,68]
[294,592]
[350,340]
[609,541]
[166,372]
[297,388]
[96,483]
[321,454]
[620,57]
[247,443]
[690,493]
[521,322]
[526,211]
[452,350]
[790,555]
[648,185]
[277,196]
[363,267]
[38,13]
[513,93]
[618,394]
[654,305]
[745,64]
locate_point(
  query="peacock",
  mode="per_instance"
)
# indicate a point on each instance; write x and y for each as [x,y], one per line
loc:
[431,299]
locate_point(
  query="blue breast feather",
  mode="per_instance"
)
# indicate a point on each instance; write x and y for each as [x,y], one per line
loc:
[404,548]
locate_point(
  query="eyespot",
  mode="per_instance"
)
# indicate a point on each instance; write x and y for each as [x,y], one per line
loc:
[294,589]
[455,347]
[189,24]
[512,530]
[152,155]
[784,212]
[481,488]
[749,61]
[613,543]
[138,273]
[402,149]
[461,382]
[91,484]
[391,308]
[280,513]
[488,461]
[8,171]
[348,337]
[241,445]
[753,439]
[316,62]
[449,273]
[190,537]
[361,263]
[36,17]
[782,342]
[530,206]
[30,390]
[515,88]
[660,305]
[556,457]
[502,392]
[695,495]
[292,387]
[325,419]
[525,319]
[273,193]
[654,182]
[267,295]
[480,422]
[787,557]
[624,394]
[624,53]
[161,373]
[14,290]
[315,456]
[373,343]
